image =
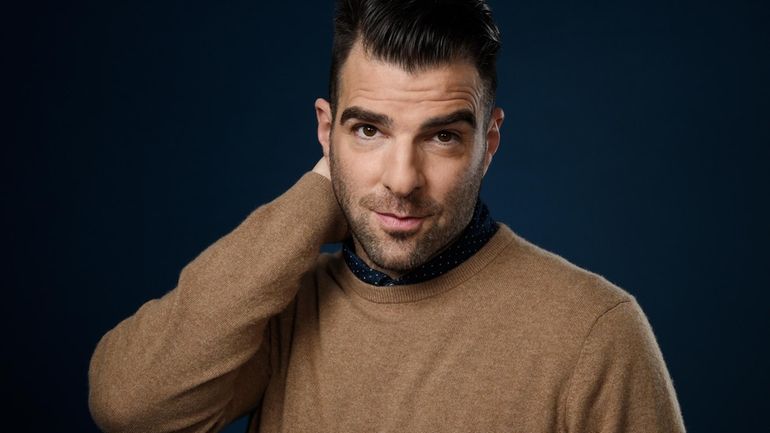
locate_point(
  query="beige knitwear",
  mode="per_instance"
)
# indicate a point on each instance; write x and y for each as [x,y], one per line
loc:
[515,339]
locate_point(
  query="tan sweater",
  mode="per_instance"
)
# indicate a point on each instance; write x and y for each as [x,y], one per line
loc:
[515,339]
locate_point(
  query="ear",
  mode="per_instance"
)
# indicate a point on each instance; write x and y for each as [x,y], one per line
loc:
[323,114]
[493,135]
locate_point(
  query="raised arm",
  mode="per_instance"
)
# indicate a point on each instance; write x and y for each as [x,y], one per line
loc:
[195,359]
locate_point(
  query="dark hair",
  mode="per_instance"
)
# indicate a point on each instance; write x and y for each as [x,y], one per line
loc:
[416,34]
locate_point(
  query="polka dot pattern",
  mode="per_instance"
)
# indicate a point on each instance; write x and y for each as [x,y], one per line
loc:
[480,230]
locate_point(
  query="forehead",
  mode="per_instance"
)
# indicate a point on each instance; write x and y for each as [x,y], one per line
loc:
[388,88]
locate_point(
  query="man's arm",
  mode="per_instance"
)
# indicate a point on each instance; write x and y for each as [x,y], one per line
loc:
[621,383]
[195,359]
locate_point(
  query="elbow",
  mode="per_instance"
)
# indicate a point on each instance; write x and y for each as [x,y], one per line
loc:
[109,417]
[112,400]
[114,408]
[112,414]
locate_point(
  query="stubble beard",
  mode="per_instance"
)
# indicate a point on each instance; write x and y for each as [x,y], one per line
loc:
[400,252]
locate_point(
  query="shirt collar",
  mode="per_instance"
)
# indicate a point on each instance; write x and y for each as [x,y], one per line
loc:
[479,230]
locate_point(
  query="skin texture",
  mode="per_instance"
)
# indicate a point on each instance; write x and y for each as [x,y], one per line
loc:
[406,154]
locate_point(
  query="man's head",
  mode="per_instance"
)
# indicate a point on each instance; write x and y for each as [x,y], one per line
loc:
[417,34]
[410,131]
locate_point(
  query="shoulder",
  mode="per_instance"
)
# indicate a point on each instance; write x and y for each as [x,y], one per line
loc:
[555,292]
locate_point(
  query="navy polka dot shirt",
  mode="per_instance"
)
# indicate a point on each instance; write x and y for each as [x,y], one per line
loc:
[481,228]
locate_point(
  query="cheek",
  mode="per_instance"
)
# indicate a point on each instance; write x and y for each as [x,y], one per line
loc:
[359,169]
[447,175]
[352,173]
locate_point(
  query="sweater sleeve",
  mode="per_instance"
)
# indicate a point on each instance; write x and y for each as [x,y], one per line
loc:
[620,383]
[197,358]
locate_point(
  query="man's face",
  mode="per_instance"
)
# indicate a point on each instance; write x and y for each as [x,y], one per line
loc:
[407,153]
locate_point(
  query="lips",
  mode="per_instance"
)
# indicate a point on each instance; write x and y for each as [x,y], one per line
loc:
[394,222]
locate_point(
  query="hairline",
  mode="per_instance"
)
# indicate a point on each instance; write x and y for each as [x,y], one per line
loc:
[488,99]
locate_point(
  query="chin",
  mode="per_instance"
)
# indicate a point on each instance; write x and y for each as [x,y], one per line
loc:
[398,256]
[399,265]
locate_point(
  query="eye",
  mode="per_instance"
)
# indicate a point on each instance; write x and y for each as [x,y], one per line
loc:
[446,137]
[366,131]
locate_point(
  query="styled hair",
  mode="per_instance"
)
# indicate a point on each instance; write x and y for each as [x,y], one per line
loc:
[417,34]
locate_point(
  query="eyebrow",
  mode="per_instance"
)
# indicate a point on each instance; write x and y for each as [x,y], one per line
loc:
[365,116]
[462,115]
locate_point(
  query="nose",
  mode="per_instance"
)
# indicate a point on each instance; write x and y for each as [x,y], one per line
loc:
[402,173]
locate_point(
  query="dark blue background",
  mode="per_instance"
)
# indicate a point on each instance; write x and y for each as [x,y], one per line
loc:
[635,145]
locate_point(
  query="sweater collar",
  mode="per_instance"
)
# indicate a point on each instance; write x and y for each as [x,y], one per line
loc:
[351,284]
[479,230]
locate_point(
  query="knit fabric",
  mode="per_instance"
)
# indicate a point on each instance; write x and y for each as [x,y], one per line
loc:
[479,230]
[514,339]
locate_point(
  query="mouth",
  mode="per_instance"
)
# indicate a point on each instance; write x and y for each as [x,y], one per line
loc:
[399,223]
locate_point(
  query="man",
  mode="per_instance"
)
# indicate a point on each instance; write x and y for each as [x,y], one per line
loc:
[432,318]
